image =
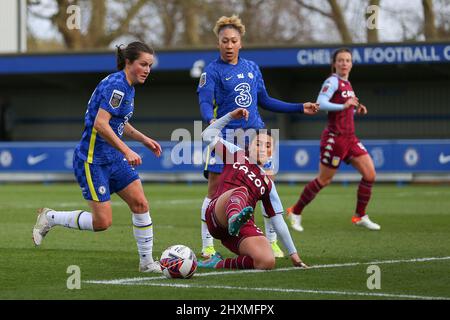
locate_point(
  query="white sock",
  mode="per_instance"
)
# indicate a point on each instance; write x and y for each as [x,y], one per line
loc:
[271,235]
[79,219]
[207,239]
[297,218]
[143,233]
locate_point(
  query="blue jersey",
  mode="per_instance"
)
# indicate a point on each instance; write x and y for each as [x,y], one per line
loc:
[232,87]
[115,95]
[225,87]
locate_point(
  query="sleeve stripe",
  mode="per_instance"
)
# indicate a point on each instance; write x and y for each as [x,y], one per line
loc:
[78,219]
[208,155]
[216,108]
[143,227]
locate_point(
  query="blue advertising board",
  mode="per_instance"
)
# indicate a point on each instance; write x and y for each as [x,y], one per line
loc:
[379,54]
[390,156]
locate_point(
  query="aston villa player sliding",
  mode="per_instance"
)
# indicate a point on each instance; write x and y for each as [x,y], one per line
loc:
[243,182]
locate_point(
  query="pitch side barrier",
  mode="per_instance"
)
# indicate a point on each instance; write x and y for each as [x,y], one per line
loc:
[295,161]
[195,60]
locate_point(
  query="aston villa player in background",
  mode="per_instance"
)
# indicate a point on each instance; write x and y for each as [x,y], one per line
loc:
[339,143]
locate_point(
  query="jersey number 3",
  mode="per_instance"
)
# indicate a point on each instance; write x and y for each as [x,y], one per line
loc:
[244,99]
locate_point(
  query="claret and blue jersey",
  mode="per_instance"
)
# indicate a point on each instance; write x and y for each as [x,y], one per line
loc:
[115,95]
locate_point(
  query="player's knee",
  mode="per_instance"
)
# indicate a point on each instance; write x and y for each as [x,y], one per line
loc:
[370,176]
[324,181]
[244,190]
[140,205]
[101,224]
[264,262]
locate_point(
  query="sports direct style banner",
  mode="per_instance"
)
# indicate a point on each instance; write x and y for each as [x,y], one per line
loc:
[389,156]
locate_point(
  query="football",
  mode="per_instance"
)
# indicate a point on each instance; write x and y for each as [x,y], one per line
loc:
[178,261]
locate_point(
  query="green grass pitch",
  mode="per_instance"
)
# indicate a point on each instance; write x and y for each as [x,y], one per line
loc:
[415,221]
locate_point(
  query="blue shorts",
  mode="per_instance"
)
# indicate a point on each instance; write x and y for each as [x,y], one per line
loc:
[98,182]
[212,164]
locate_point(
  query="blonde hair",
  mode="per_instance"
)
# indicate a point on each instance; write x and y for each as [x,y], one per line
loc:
[229,22]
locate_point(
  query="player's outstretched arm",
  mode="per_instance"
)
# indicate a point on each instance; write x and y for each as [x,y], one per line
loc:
[272,203]
[297,262]
[329,87]
[282,231]
[212,134]
[136,135]
[310,108]
[103,128]
[275,105]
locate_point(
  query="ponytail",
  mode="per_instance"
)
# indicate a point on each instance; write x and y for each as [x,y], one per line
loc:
[120,57]
[131,53]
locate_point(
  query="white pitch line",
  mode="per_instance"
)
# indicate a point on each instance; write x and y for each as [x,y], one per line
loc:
[283,290]
[221,273]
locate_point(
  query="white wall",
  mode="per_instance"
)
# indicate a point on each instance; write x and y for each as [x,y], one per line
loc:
[13,26]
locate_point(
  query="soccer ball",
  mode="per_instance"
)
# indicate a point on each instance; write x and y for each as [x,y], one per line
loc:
[178,261]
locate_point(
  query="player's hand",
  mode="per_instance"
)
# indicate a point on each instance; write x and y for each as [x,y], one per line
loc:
[153,146]
[240,113]
[361,109]
[310,108]
[297,262]
[351,103]
[133,158]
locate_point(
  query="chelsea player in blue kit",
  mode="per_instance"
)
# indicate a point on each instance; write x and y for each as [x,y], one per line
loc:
[103,164]
[228,83]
